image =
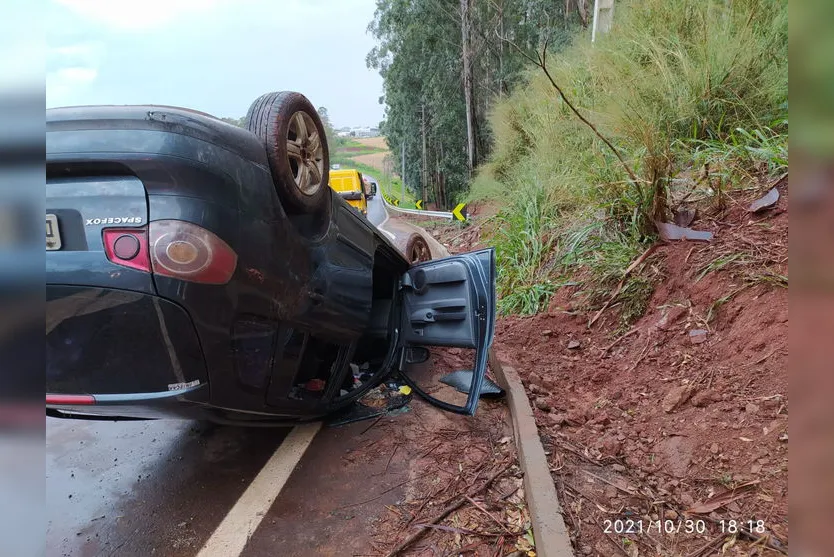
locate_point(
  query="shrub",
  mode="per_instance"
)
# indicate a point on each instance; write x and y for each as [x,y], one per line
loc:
[674,83]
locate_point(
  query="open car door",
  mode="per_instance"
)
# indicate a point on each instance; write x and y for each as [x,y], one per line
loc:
[450,302]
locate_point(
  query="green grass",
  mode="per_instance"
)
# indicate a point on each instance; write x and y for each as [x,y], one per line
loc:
[673,86]
[523,243]
[715,306]
[726,261]
[742,155]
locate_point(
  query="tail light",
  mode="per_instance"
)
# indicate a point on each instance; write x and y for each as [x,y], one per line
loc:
[128,247]
[173,248]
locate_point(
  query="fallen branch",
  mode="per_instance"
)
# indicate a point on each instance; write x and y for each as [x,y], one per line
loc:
[637,262]
[766,540]
[490,515]
[384,492]
[766,356]
[471,228]
[612,484]
[454,530]
[641,356]
[446,512]
[613,344]
[709,546]
[541,61]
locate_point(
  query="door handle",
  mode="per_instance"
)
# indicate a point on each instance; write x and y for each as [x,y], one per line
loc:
[431,315]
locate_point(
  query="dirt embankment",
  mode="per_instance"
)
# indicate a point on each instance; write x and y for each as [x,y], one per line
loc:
[682,418]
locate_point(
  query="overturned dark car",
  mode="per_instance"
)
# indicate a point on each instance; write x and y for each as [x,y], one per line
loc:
[200,270]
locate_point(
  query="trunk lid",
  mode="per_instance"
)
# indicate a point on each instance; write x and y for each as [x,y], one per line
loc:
[77,210]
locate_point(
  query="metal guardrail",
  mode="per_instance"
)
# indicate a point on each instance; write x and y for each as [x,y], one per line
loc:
[417,212]
[459,212]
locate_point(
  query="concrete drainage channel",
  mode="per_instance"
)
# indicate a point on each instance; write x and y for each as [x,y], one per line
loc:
[549,530]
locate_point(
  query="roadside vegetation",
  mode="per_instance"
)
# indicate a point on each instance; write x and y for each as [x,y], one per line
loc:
[444,64]
[390,185]
[692,96]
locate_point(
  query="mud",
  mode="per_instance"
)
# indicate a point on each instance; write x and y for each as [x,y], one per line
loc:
[648,423]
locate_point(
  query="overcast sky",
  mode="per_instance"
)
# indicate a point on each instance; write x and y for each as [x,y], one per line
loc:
[216,56]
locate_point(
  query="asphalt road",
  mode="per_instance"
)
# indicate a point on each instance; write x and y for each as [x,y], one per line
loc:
[376,210]
[145,487]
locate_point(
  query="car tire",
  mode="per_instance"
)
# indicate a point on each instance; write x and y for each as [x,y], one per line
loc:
[417,250]
[296,146]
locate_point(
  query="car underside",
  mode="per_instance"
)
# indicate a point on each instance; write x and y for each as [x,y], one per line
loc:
[183,281]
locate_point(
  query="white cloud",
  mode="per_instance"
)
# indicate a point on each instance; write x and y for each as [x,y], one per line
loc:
[76,75]
[66,84]
[71,69]
[212,55]
[128,15]
[72,50]
[86,54]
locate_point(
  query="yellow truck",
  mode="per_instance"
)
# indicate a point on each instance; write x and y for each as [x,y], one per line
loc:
[348,184]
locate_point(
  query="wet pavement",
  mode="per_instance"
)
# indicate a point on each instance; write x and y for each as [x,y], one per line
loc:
[145,487]
[397,229]
[376,210]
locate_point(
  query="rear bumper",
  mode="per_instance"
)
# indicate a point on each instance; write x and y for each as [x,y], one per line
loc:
[130,405]
[119,350]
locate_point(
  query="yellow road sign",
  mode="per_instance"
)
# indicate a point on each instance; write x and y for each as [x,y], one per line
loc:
[419,204]
[460,212]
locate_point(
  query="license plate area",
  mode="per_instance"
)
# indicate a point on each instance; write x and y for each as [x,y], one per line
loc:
[53,233]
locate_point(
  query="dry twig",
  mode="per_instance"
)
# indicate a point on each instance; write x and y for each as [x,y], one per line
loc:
[541,61]
[447,511]
[636,263]
[490,515]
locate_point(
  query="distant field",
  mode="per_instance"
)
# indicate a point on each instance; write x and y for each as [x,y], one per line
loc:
[373,160]
[367,155]
[369,151]
[376,142]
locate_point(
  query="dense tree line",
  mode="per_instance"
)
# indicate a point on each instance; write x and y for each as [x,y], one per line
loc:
[443,63]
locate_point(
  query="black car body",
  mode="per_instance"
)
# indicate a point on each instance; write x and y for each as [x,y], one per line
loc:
[178,285]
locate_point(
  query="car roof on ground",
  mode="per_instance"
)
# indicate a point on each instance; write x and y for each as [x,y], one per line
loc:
[170,119]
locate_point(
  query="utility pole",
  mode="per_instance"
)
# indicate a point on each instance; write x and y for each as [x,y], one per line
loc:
[468,86]
[501,83]
[603,18]
[423,176]
[402,176]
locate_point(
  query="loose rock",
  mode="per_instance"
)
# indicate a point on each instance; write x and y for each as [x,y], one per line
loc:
[542,404]
[697,336]
[705,398]
[577,417]
[676,397]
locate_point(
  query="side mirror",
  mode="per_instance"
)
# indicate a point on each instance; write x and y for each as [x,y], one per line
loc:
[416,355]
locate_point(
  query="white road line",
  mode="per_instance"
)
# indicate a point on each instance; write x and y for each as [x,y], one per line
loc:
[387,216]
[230,537]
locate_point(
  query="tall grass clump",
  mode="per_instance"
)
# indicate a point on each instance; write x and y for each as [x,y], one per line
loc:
[674,84]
